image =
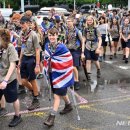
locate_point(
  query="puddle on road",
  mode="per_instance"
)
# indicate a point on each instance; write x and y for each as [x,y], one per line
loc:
[100,84]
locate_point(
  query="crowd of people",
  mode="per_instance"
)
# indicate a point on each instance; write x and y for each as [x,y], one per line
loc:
[56,47]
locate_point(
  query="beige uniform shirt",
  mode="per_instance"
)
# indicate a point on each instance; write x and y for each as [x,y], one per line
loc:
[31,45]
[91,38]
[114,31]
[71,38]
[9,55]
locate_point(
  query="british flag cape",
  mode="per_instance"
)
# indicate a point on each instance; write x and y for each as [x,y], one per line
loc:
[61,64]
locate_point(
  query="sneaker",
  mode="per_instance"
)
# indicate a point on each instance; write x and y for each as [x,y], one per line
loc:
[126,60]
[111,57]
[3,112]
[115,56]
[68,108]
[40,76]
[123,57]
[35,104]
[50,120]
[76,85]
[15,121]
[98,73]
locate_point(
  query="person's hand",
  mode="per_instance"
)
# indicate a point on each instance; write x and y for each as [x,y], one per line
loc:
[19,64]
[126,40]
[82,56]
[97,51]
[3,85]
[37,69]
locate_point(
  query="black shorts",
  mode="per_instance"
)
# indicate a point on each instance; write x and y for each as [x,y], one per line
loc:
[76,57]
[91,55]
[58,91]
[10,92]
[27,68]
[128,44]
[104,43]
[115,39]
[123,43]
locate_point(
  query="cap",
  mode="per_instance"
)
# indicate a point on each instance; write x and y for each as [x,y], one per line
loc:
[25,19]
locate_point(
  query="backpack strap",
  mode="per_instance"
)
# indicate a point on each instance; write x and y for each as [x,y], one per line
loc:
[78,41]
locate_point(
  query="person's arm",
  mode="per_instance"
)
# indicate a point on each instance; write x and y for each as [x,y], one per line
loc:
[10,71]
[83,44]
[37,52]
[83,48]
[99,42]
[37,56]
[8,75]
[20,58]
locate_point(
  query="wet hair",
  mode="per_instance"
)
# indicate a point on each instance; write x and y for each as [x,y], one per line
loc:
[53,31]
[114,11]
[70,18]
[16,16]
[5,36]
[102,17]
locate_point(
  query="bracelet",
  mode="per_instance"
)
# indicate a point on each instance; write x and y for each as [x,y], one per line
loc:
[37,65]
[82,52]
[5,81]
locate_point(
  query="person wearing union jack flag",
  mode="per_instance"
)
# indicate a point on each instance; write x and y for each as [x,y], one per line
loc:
[58,68]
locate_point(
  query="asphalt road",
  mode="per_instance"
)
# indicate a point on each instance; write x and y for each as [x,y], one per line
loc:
[102,104]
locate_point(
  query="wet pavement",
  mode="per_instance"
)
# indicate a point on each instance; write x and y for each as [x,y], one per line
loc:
[103,104]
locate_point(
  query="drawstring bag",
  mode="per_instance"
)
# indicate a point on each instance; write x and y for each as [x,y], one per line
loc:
[108,36]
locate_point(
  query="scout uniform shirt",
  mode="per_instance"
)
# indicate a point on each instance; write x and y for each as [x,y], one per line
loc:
[30,44]
[8,55]
[91,35]
[125,30]
[114,32]
[71,37]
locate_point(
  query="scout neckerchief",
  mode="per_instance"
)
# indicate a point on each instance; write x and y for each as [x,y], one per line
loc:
[1,52]
[25,37]
[52,50]
[71,36]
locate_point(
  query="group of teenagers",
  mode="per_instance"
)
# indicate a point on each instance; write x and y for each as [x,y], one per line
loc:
[58,46]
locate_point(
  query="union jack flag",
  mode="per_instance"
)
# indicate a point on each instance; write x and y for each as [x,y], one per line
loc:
[13,40]
[61,64]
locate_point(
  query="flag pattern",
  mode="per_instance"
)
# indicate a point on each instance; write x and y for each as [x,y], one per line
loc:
[60,64]
[13,40]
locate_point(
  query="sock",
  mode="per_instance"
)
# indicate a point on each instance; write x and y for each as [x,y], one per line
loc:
[35,97]
[53,112]
[67,102]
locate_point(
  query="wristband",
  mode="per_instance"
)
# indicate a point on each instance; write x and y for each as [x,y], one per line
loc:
[37,65]
[5,81]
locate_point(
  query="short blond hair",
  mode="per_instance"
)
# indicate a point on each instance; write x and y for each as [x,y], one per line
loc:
[28,13]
